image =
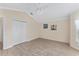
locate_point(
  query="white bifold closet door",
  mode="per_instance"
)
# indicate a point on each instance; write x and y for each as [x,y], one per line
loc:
[19,31]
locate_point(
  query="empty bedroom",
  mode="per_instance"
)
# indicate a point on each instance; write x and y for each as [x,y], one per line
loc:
[39,29]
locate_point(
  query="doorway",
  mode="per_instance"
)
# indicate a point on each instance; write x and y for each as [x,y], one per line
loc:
[77,31]
[74,33]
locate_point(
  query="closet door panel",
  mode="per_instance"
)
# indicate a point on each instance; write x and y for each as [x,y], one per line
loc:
[19,32]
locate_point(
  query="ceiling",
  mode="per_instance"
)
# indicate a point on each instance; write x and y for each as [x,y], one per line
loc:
[44,12]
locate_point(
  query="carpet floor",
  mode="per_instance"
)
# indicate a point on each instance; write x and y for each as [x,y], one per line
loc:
[40,47]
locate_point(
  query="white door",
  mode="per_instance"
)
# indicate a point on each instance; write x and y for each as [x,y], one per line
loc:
[19,32]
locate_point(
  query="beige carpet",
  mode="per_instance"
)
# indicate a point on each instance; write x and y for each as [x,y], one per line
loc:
[40,47]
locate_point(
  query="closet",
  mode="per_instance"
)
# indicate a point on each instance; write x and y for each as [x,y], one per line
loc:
[19,31]
[14,29]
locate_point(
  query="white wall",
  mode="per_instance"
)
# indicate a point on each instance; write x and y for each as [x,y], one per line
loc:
[62,33]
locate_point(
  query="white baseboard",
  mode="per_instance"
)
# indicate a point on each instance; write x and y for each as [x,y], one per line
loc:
[10,46]
[55,40]
[28,41]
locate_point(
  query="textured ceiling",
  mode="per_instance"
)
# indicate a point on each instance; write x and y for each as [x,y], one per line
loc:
[44,12]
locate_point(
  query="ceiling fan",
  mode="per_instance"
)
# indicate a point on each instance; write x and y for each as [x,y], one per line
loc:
[39,9]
